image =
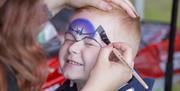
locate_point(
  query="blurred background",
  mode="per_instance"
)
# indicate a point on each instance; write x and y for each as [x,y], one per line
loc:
[156,18]
[156,10]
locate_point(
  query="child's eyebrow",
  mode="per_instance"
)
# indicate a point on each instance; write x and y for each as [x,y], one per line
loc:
[93,40]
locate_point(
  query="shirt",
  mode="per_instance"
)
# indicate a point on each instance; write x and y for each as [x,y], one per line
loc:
[132,85]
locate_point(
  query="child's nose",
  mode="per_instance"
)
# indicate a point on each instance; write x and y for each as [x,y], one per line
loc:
[76,47]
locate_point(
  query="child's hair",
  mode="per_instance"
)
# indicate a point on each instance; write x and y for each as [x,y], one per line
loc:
[19,51]
[119,17]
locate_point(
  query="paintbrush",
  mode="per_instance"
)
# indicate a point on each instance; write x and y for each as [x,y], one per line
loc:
[105,39]
[120,57]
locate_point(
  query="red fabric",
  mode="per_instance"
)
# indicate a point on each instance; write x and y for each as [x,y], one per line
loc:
[55,77]
[148,59]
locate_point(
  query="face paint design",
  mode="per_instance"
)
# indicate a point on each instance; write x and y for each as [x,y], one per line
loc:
[81,28]
[80,51]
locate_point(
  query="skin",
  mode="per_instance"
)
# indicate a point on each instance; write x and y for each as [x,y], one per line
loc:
[116,23]
[87,55]
[77,48]
[56,5]
[108,75]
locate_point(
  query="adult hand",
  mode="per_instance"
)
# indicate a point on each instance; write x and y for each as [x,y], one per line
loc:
[110,74]
[55,5]
[105,5]
[127,6]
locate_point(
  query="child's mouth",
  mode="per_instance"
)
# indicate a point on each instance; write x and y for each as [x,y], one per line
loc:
[74,62]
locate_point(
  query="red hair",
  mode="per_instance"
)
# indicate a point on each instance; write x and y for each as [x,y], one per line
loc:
[19,50]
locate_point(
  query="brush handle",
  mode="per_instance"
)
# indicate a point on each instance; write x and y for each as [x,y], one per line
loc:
[120,57]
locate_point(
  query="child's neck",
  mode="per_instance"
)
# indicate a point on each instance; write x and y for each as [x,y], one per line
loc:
[80,84]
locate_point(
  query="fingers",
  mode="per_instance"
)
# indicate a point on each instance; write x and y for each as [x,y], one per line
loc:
[127,6]
[132,7]
[104,54]
[101,4]
[125,50]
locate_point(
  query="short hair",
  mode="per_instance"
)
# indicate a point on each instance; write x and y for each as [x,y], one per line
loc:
[131,26]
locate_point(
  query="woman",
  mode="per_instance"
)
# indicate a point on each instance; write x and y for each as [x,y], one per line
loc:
[22,65]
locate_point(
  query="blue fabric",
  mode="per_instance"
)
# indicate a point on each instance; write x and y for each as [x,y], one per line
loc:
[136,86]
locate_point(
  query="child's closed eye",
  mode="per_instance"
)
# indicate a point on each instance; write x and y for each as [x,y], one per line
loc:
[91,42]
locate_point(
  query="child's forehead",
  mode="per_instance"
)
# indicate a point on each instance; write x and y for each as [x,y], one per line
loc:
[82,26]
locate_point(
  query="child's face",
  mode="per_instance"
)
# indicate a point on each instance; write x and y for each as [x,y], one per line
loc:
[80,49]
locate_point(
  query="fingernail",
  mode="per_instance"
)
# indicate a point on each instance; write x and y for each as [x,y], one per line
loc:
[135,14]
[132,14]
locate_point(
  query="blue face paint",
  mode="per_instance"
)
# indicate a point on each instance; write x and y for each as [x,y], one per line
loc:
[82,28]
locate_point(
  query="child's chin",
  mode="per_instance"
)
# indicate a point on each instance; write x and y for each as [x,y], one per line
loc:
[75,77]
